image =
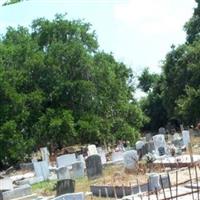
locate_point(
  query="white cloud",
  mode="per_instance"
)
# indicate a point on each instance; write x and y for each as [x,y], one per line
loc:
[154,16]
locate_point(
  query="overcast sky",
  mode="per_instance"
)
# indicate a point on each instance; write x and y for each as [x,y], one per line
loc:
[137,32]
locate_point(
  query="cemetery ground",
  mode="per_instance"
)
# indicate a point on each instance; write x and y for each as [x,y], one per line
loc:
[47,188]
[114,174]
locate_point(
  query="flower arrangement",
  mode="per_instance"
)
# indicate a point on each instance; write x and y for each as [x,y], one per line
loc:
[149,158]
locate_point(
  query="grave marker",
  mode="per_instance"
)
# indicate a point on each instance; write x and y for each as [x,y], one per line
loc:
[41,169]
[63,173]
[66,160]
[65,186]
[93,166]
[130,159]
[78,170]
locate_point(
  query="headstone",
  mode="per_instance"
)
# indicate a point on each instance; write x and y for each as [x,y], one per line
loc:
[6,184]
[82,159]
[65,186]
[26,166]
[103,157]
[45,154]
[66,160]
[93,166]
[99,150]
[63,173]
[149,146]
[186,137]
[21,191]
[148,137]
[72,196]
[162,130]
[77,170]
[102,154]
[117,156]
[29,181]
[92,149]
[154,182]
[139,144]
[159,141]
[41,169]
[130,159]
[161,151]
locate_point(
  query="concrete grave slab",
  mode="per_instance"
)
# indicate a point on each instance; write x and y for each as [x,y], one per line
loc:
[72,196]
[66,160]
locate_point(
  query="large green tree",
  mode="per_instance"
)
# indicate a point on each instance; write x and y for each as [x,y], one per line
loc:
[58,88]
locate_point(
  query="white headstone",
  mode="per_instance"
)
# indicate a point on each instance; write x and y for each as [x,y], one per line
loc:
[63,173]
[154,182]
[82,159]
[117,156]
[92,150]
[130,159]
[6,184]
[103,157]
[159,142]
[41,169]
[45,153]
[77,170]
[139,144]
[71,196]
[186,137]
[99,150]
[66,160]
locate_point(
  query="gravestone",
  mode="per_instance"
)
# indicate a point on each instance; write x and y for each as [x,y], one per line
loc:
[159,141]
[26,166]
[21,191]
[92,150]
[93,166]
[139,144]
[63,173]
[162,130]
[66,160]
[99,150]
[41,169]
[149,146]
[45,154]
[154,182]
[77,170]
[103,157]
[117,156]
[82,159]
[161,151]
[65,186]
[72,196]
[186,137]
[102,154]
[130,159]
[6,184]
[148,137]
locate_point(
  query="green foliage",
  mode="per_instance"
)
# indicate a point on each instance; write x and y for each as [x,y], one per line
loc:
[58,89]
[9,2]
[188,105]
[192,27]
[147,80]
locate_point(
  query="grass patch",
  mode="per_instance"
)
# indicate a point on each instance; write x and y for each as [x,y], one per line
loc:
[45,188]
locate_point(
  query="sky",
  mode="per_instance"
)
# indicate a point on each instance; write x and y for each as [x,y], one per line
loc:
[137,32]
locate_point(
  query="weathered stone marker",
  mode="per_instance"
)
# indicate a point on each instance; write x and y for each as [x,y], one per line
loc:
[65,186]
[93,166]
[63,173]
[130,159]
